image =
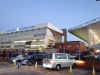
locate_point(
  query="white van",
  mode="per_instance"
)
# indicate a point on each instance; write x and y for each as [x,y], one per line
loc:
[58,61]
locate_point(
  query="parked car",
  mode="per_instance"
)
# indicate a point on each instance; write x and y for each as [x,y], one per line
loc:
[74,55]
[98,58]
[58,61]
[70,56]
[86,55]
[36,58]
[13,59]
[30,60]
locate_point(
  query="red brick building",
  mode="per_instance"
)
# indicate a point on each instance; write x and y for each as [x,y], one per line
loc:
[71,46]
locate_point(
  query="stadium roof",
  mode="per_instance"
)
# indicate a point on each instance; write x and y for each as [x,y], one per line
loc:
[85,30]
[48,25]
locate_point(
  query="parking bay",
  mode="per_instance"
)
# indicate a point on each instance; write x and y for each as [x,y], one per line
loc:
[64,71]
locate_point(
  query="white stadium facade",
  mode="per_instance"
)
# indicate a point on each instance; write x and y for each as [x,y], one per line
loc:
[32,37]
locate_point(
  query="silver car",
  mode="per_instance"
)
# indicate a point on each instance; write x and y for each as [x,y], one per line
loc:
[58,61]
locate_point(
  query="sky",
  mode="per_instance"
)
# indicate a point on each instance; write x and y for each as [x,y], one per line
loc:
[61,13]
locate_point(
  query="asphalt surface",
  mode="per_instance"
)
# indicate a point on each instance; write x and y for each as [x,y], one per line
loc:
[10,69]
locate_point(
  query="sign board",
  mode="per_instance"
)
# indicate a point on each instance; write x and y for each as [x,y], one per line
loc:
[20,29]
[9,31]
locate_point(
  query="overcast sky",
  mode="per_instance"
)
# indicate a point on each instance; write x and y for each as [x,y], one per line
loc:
[61,13]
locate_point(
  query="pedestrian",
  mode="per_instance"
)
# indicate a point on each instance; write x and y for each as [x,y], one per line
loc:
[19,60]
[9,52]
[4,54]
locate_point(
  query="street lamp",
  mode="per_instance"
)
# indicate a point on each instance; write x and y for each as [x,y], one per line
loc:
[78,51]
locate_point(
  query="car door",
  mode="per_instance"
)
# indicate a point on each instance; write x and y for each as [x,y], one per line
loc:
[69,61]
[64,60]
[58,59]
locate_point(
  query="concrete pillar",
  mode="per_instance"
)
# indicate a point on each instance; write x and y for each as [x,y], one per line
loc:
[65,34]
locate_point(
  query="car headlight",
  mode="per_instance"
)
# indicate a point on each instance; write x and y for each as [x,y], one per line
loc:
[51,61]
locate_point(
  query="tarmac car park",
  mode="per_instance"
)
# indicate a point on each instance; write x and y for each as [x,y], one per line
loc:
[10,69]
[63,71]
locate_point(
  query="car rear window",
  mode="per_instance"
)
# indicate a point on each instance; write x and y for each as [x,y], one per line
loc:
[48,56]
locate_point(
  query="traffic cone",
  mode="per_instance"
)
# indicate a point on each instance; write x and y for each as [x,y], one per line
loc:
[36,65]
[93,71]
[15,63]
[70,71]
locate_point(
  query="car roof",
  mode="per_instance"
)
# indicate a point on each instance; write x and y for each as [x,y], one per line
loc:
[57,53]
[67,54]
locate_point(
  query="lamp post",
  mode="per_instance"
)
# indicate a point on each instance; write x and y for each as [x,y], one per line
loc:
[63,49]
[42,49]
[78,51]
[99,52]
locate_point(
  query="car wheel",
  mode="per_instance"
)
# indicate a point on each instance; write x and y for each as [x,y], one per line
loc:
[74,65]
[58,67]
[29,63]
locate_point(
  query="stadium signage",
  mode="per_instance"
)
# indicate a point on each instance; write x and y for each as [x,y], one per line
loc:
[8,31]
[20,29]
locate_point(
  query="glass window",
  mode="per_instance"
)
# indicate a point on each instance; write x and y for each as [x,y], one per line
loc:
[57,56]
[43,34]
[69,56]
[63,56]
[48,56]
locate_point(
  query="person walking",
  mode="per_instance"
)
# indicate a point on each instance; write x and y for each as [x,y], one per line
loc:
[19,60]
[4,54]
[9,52]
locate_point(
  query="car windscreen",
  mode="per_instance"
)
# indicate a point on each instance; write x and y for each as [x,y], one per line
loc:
[48,56]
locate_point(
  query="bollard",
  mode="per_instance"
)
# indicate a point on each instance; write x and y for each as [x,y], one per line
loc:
[36,65]
[70,71]
[93,71]
[15,63]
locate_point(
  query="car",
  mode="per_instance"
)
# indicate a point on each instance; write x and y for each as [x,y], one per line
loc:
[58,61]
[98,58]
[36,58]
[70,56]
[30,60]
[13,59]
[86,55]
[74,55]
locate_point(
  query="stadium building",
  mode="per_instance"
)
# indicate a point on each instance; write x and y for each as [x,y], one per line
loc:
[34,37]
[89,32]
